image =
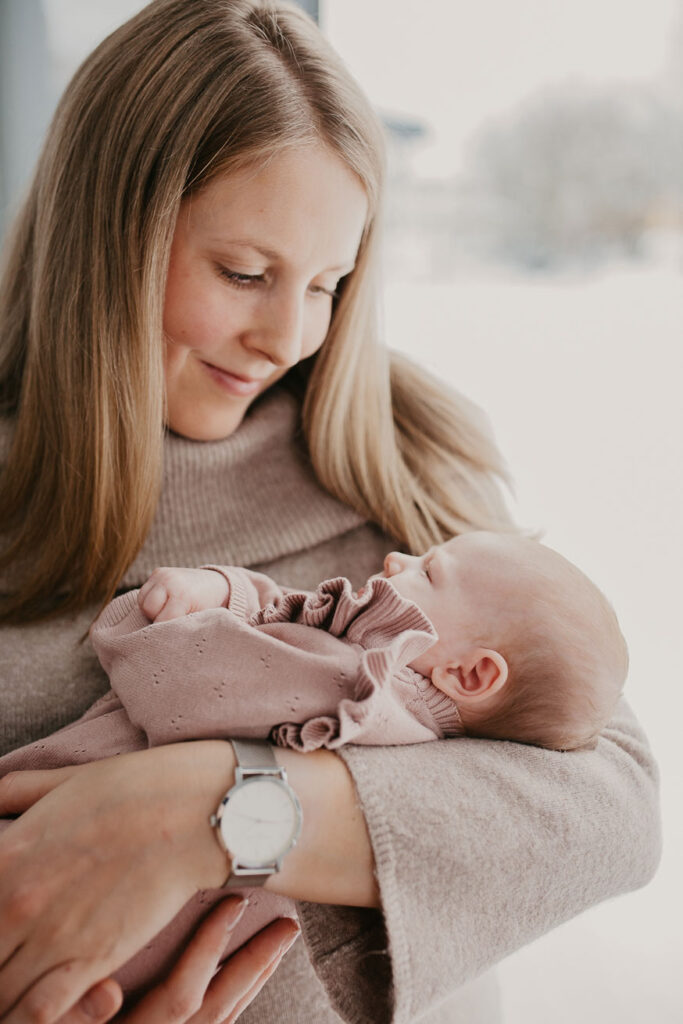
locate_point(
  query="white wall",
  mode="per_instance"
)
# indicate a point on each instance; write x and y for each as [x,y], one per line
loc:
[582,380]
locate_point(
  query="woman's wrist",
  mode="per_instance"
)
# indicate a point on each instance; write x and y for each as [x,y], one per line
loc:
[213,776]
[333,860]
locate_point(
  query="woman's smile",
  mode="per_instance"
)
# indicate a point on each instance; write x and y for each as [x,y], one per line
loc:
[233,383]
[295,224]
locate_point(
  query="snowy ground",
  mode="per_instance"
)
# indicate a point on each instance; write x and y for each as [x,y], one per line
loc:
[582,379]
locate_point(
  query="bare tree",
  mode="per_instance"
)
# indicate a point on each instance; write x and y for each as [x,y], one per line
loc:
[575,175]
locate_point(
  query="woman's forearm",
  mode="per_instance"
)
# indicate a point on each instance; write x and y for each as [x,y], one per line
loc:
[333,860]
[100,860]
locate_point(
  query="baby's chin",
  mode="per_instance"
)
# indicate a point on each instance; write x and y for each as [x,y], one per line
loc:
[392,581]
[381,575]
[398,585]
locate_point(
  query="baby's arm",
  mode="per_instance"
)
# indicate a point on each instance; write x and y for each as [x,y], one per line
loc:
[212,674]
[217,672]
[171,592]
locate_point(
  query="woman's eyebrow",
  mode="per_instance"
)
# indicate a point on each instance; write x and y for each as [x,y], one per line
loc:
[246,243]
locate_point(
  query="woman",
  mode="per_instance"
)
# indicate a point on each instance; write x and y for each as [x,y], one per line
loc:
[203,225]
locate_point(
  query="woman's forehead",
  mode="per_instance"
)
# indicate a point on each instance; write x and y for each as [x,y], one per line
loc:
[302,198]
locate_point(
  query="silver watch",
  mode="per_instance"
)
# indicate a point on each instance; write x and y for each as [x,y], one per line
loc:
[259,820]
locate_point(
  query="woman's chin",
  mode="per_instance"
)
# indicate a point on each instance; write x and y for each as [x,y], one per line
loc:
[197,425]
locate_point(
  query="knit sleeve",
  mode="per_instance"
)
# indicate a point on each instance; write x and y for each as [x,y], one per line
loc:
[214,674]
[481,847]
[249,590]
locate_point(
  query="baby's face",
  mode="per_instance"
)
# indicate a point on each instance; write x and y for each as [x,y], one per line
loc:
[459,585]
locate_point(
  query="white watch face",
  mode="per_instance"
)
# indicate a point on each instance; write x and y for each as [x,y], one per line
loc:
[260,821]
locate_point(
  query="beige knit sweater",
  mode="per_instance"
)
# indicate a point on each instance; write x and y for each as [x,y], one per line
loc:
[480,846]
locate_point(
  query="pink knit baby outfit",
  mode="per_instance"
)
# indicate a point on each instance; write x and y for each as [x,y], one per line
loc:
[307,670]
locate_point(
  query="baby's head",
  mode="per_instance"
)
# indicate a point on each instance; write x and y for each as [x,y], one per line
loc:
[529,648]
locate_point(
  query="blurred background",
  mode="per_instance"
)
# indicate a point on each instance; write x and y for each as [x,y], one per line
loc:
[534,259]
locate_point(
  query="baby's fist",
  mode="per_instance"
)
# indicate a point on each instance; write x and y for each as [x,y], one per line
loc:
[170,593]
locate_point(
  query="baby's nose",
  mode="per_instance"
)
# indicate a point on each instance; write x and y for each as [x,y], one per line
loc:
[393,563]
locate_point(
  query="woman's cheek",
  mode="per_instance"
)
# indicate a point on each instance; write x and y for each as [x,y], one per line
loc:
[175,359]
[317,331]
[191,331]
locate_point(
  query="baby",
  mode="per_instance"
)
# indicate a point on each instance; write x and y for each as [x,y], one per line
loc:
[524,645]
[484,635]
[529,648]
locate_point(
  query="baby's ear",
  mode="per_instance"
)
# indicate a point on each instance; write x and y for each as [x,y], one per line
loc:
[590,744]
[476,675]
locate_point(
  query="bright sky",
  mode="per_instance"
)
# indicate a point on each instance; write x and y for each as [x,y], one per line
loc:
[452,63]
[457,62]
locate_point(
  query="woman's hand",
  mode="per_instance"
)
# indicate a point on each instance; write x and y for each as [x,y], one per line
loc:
[105,854]
[103,858]
[191,994]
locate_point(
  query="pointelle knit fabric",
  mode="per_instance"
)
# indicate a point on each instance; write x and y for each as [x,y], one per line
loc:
[305,670]
[480,846]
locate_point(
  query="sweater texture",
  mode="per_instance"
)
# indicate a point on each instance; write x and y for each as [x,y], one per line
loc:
[480,846]
[306,670]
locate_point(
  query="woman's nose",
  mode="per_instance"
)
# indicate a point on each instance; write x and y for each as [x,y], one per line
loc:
[279,336]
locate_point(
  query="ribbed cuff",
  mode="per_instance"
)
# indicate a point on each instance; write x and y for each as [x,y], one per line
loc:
[118,609]
[237,601]
[443,708]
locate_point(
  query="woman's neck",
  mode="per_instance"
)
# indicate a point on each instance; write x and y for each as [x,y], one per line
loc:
[249,499]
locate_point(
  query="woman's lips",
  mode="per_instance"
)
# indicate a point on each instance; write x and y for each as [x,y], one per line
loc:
[242,387]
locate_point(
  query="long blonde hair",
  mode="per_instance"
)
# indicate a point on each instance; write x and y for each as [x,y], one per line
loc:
[183,92]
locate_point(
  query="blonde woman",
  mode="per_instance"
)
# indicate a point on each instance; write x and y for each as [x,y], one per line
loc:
[190,372]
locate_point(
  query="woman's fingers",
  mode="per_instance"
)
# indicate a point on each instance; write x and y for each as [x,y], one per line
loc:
[97,1006]
[190,996]
[180,995]
[20,790]
[88,878]
[51,997]
[245,974]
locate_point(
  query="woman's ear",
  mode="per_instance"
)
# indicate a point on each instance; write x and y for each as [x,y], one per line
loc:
[475,676]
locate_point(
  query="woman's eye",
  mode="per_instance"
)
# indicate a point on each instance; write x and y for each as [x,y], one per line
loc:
[240,280]
[317,289]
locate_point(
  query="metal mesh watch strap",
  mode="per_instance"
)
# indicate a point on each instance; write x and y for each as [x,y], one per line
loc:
[246,881]
[255,756]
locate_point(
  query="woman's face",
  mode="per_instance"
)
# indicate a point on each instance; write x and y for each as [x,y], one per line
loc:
[255,261]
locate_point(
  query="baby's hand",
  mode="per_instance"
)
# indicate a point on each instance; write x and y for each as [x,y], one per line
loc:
[170,593]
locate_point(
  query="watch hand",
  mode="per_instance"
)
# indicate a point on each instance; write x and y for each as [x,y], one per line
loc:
[260,821]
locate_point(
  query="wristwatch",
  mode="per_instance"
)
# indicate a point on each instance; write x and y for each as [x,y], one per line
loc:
[259,820]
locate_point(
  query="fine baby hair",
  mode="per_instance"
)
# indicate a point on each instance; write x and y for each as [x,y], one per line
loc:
[566,656]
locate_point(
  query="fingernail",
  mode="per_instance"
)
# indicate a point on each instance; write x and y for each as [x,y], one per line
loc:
[288,942]
[98,1003]
[234,915]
